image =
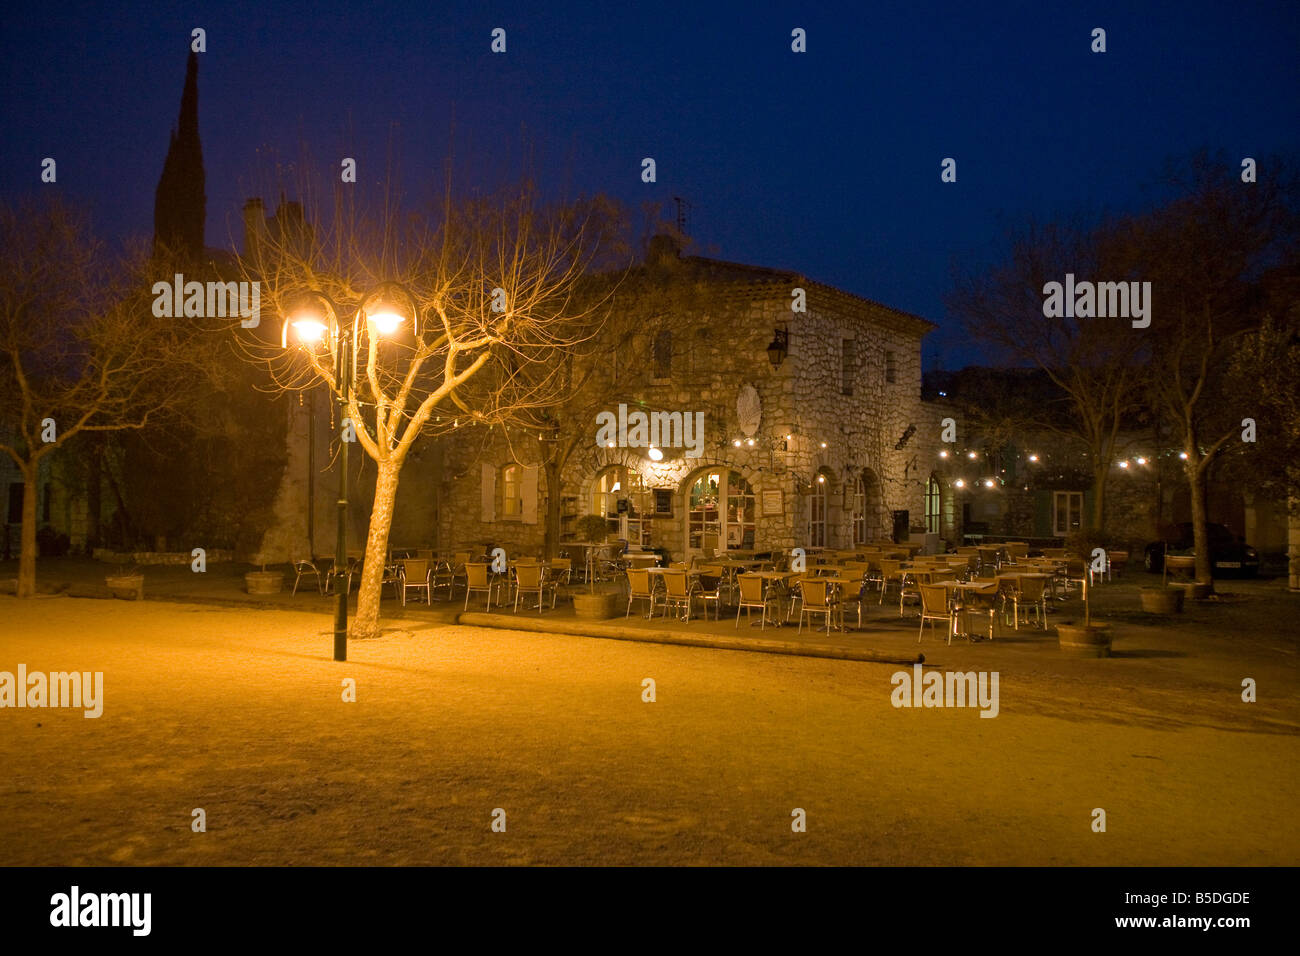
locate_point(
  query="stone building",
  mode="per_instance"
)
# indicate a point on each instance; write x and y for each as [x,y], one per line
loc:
[813,428]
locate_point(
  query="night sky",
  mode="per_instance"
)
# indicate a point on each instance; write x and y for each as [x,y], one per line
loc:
[826,162]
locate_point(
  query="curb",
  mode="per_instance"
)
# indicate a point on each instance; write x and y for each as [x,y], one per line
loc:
[617,632]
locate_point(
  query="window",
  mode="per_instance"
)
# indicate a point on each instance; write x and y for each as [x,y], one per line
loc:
[817,513]
[891,368]
[1067,512]
[848,365]
[511,504]
[933,503]
[619,492]
[867,507]
[662,359]
[710,527]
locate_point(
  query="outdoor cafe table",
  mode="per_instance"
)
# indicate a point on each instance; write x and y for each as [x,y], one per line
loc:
[769,578]
[840,582]
[641,558]
[988,587]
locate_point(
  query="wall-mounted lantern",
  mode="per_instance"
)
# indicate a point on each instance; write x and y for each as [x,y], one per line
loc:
[779,347]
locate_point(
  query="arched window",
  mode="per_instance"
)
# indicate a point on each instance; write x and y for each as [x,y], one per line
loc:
[866,508]
[859,511]
[817,508]
[933,505]
[510,502]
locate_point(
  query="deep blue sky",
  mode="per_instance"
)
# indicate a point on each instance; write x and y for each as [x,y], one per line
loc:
[825,162]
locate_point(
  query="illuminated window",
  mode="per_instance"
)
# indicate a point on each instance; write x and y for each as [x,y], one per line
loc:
[1067,512]
[511,501]
[933,503]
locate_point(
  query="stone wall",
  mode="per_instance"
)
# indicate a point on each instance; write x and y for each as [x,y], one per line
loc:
[836,436]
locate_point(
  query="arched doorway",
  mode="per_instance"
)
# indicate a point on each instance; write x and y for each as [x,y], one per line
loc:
[868,508]
[720,512]
[933,506]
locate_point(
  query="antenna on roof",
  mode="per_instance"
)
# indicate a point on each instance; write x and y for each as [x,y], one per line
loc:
[682,206]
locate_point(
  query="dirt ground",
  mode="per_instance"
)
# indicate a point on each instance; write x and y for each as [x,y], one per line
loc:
[240,712]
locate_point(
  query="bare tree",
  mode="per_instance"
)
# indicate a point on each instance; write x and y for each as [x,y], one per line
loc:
[1097,363]
[80,348]
[495,287]
[1205,252]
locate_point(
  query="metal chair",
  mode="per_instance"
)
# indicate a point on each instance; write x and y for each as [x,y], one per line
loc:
[640,588]
[1032,593]
[677,592]
[934,607]
[415,574]
[478,580]
[302,566]
[709,588]
[531,578]
[818,598]
[753,595]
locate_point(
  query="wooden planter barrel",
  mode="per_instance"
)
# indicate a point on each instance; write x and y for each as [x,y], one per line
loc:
[595,607]
[1162,600]
[264,582]
[1091,640]
[128,587]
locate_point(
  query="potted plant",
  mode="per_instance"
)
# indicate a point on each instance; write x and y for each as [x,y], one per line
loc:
[1165,599]
[1087,639]
[600,601]
[263,581]
[127,584]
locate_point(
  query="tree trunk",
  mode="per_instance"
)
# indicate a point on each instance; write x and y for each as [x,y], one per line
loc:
[366,623]
[27,554]
[1100,472]
[554,508]
[1200,532]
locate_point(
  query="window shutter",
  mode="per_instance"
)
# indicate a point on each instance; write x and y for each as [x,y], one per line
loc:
[528,491]
[488,491]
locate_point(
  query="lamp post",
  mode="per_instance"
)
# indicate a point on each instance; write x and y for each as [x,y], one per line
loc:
[313,325]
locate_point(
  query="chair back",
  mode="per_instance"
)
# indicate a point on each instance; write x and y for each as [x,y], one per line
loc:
[680,565]
[415,569]
[461,559]
[1031,589]
[934,599]
[710,584]
[815,591]
[528,576]
[638,582]
[751,588]
[676,584]
[476,574]
[561,565]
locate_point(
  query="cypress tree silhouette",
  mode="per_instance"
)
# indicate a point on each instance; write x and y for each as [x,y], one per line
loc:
[180,204]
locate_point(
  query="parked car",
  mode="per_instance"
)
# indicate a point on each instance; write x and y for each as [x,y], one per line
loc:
[1229,554]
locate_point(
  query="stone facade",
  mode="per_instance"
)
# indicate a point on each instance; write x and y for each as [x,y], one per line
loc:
[830,414]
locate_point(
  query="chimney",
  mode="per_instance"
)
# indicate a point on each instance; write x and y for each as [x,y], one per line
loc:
[254,226]
[663,251]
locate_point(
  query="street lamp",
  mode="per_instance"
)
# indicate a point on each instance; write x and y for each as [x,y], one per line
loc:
[316,319]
